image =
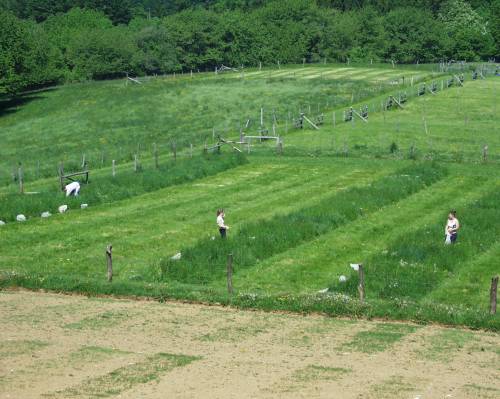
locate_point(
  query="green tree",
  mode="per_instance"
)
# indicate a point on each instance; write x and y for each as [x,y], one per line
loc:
[469,37]
[412,35]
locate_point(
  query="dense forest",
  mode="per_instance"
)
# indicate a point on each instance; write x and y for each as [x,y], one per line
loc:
[51,41]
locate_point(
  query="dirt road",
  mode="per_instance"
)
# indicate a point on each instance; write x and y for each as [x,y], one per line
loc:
[57,346]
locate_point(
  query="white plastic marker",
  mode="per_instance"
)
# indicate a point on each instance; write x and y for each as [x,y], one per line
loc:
[177,256]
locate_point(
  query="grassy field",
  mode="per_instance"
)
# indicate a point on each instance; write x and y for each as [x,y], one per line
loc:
[336,196]
[115,120]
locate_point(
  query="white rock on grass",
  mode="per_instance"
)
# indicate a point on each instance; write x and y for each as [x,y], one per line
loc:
[2,223]
[176,256]
[342,279]
[62,208]
[46,214]
[84,206]
[21,218]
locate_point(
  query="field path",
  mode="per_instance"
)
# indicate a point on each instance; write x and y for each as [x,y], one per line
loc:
[57,346]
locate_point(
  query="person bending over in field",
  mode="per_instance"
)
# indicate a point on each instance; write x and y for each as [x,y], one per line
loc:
[72,189]
[451,228]
[220,223]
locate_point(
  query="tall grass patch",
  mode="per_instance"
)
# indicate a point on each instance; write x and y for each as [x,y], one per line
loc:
[205,261]
[418,262]
[126,184]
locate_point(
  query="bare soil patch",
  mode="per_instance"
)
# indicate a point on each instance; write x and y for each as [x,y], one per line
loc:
[57,346]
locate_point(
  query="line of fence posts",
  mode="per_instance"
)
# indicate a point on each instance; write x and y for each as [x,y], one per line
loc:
[136,165]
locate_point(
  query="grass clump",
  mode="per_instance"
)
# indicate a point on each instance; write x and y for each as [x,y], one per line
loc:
[254,242]
[126,377]
[20,347]
[379,339]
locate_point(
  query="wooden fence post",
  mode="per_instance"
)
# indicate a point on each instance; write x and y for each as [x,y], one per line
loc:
[20,177]
[230,274]
[109,261]
[361,286]
[493,295]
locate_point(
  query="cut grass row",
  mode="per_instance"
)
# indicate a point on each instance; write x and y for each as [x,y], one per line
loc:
[414,265]
[255,242]
[106,188]
[146,228]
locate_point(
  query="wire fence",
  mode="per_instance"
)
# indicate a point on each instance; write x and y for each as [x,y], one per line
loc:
[255,134]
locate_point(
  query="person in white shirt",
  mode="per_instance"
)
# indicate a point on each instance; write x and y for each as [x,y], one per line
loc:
[451,228]
[220,223]
[72,189]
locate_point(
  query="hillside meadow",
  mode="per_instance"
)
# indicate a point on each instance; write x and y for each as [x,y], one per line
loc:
[339,195]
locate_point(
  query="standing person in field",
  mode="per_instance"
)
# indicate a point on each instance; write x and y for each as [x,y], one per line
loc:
[220,223]
[72,189]
[451,228]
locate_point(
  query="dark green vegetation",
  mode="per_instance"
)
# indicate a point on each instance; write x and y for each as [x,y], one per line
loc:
[43,42]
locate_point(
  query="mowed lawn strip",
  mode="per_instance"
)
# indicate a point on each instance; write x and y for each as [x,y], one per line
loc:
[153,226]
[471,283]
[258,241]
[315,265]
[416,262]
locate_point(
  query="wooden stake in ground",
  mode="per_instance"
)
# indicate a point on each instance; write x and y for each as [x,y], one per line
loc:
[493,295]
[361,285]
[20,176]
[230,274]
[109,262]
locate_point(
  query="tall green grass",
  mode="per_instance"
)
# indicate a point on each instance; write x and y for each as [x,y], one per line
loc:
[126,184]
[254,242]
[416,264]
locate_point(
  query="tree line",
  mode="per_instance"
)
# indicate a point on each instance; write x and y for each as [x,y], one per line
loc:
[52,41]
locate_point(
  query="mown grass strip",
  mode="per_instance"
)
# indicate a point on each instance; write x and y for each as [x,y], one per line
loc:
[126,377]
[254,242]
[412,268]
[126,184]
